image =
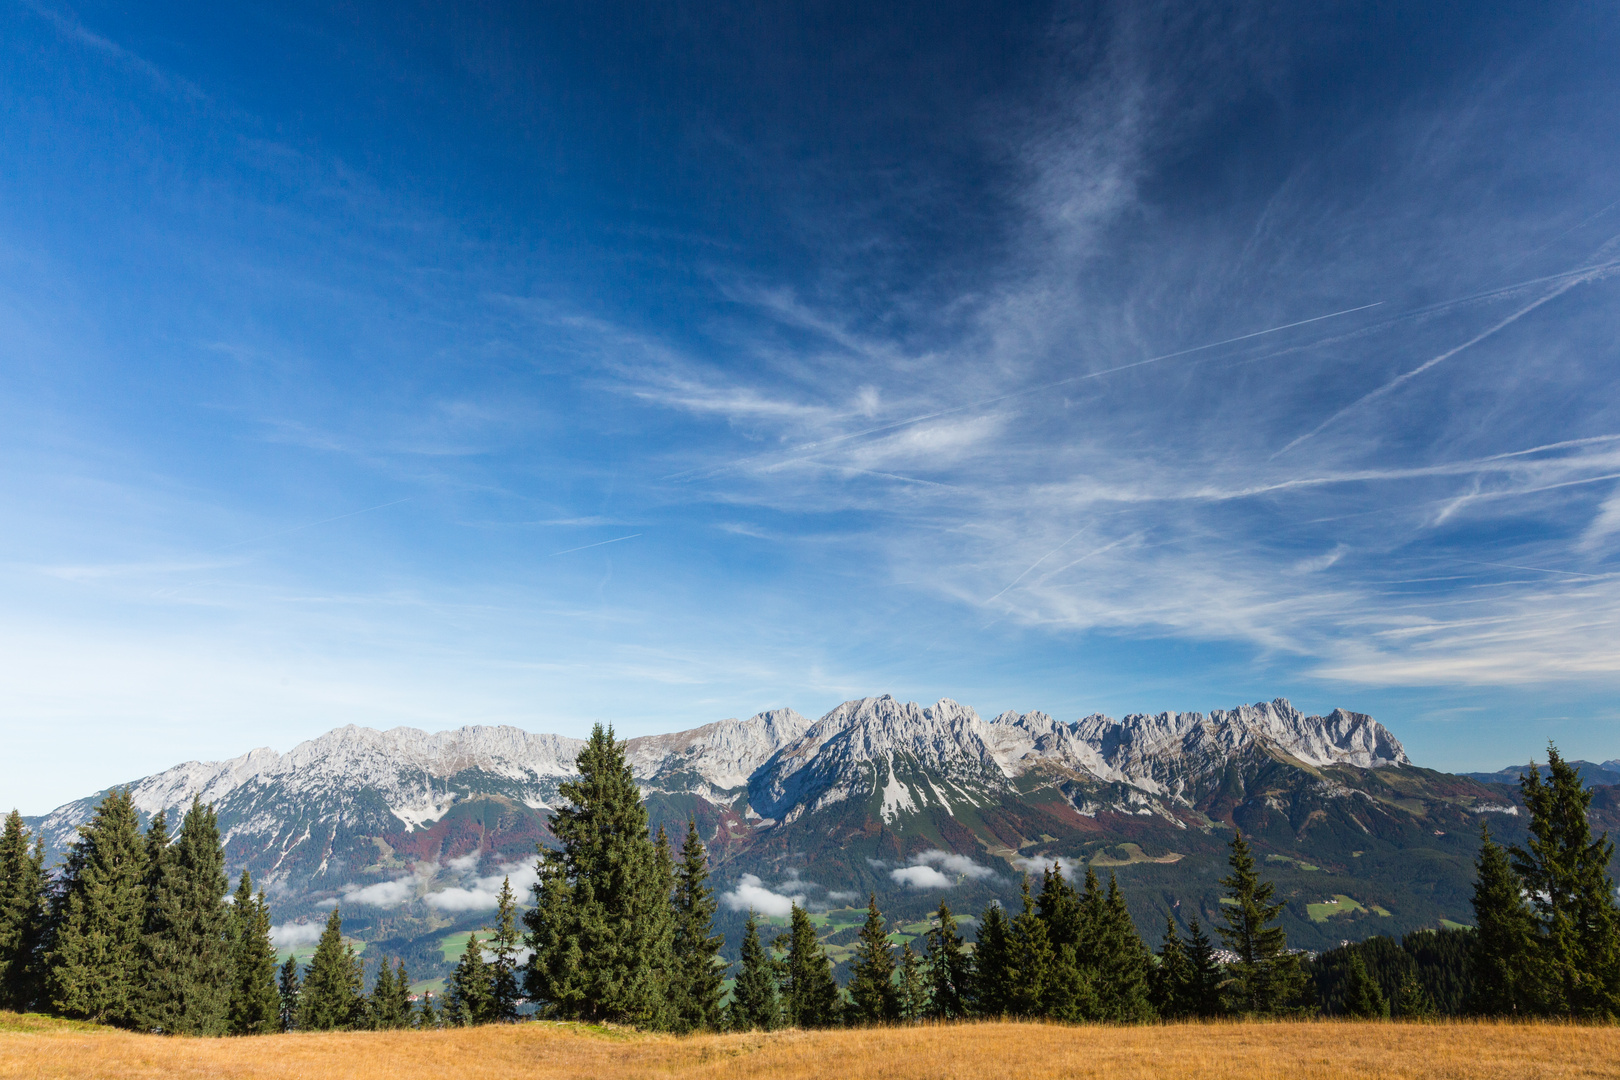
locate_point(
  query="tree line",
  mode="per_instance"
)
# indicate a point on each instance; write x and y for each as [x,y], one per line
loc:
[136,931]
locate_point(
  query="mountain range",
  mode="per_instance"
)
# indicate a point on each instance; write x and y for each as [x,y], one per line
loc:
[411,832]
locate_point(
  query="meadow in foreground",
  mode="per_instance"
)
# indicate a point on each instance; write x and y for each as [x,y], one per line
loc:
[1478,1050]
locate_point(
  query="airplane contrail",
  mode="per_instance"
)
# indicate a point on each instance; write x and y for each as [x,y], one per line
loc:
[582,547]
[1407,376]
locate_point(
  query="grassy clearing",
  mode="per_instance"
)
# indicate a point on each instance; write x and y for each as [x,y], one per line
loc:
[1342,905]
[1223,1051]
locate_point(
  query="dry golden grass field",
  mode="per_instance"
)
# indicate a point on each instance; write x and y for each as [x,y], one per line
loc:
[1224,1051]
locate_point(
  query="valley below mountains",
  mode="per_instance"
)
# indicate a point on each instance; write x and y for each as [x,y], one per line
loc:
[411,833]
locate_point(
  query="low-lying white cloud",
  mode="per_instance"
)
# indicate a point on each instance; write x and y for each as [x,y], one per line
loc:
[752,894]
[936,869]
[1069,868]
[382,894]
[483,893]
[290,935]
[921,877]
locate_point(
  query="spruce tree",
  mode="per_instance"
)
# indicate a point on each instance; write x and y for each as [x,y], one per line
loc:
[1206,981]
[755,1003]
[1565,871]
[1123,989]
[255,1006]
[992,975]
[696,988]
[93,965]
[401,1006]
[1363,998]
[1029,959]
[1267,978]
[1412,1001]
[186,947]
[1070,993]
[330,998]
[23,909]
[470,998]
[871,980]
[911,991]
[809,991]
[1507,978]
[503,944]
[948,969]
[1172,979]
[288,988]
[601,926]
[429,1016]
[379,1010]
[389,1008]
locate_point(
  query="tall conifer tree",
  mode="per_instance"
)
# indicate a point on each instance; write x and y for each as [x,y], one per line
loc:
[186,946]
[755,1002]
[696,989]
[288,988]
[1029,959]
[1507,965]
[255,1005]
[93,967]
[22,916]
[503,944]
[1267,978]
[809,991]
[1172,979]
[1123,988]
[1070,993]
[1363,998]
[871,981]
[380,1002]
[1207,978]
[992,974]
[469,997]
[948,970]
[601,925]
[911,989]
[330,999]
[1565,870]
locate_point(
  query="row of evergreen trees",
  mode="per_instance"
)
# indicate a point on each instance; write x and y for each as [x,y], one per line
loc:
[138,930]
[1069,954]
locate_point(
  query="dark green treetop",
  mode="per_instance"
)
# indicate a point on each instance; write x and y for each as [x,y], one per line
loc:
[948,969]
[503,944]
[601,926]
[469,997]
[911,990]
[755,1003]
[1363,998]
[330,999]
[1266,979]
[255,1005]
[1564,869]
[1506,963]
[186,947]
[809,991]
[93,965]
[696,989]
[288,988]
[992,975]
[23,912]
[871,984]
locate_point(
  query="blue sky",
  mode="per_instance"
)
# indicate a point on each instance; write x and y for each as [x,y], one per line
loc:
[659,363]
